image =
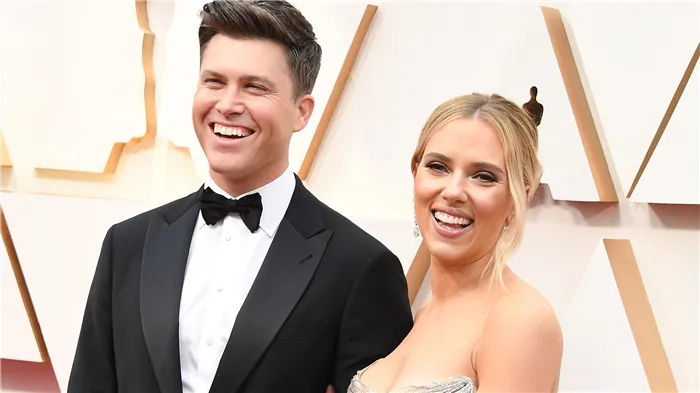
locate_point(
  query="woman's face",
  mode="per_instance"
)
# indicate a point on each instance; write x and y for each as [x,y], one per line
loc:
[462,199]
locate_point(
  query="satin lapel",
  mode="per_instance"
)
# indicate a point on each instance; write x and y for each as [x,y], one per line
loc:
[288,267]
[162,274]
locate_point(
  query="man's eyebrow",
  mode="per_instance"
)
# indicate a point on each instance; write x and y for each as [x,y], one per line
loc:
[247,78]
[258,78]
[213,73]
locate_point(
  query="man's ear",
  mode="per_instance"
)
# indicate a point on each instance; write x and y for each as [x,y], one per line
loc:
[305,107]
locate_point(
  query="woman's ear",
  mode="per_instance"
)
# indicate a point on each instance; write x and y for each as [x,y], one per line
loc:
[511,215]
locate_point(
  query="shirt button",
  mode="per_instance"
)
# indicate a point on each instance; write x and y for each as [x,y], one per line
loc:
[227,236]
[220,288]
[210,342]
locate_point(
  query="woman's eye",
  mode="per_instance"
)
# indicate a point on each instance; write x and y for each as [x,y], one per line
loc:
[435,166]
[487,177]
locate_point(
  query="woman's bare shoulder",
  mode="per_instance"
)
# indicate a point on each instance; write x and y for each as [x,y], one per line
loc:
[523,301]
[524,309]
[521,345]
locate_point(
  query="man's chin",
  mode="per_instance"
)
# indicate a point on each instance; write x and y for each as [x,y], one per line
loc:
[227,170]
[225,167]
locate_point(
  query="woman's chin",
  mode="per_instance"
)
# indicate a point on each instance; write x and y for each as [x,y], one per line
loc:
[447,254]
[455,254]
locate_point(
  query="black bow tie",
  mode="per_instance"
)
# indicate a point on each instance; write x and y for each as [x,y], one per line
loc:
[215,207]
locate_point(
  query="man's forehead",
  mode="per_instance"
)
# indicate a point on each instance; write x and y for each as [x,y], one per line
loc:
[247,58]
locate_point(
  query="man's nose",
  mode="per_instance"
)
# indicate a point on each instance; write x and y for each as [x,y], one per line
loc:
[230,104]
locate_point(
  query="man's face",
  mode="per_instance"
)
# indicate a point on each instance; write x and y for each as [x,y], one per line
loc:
[244,111]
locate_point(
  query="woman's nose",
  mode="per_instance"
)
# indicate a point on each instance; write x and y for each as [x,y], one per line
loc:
[455,190]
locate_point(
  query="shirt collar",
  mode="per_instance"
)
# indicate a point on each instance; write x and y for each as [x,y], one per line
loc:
[275,195]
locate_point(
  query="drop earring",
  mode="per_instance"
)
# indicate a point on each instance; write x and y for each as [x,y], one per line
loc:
[416,230]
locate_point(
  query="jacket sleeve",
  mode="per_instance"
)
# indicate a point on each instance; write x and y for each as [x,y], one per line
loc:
[376,319]
[93,365]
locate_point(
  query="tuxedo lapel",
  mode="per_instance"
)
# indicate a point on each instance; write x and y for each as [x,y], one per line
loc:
[285,273]
[162,274]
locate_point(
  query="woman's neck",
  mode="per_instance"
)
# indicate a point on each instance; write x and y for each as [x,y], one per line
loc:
[448,282]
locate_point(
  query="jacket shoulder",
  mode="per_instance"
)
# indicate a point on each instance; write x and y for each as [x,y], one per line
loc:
[353,237]
[140,221]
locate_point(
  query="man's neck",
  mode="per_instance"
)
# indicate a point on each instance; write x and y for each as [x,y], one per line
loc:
[236,187]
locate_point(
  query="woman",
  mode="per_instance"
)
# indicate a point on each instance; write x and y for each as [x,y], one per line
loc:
[475,168]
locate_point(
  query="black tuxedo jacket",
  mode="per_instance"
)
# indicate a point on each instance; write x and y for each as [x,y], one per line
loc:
[328,301]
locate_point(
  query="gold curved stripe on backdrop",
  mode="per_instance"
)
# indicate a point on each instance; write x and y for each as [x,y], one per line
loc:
[148,138]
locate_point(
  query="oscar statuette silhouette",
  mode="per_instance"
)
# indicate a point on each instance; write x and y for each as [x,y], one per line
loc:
[534,108]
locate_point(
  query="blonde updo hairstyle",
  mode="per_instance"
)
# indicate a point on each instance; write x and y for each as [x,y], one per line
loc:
[518,134]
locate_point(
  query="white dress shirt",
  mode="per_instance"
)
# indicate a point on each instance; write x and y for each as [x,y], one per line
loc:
[223,262]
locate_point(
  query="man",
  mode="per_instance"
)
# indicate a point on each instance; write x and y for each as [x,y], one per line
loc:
[273,293]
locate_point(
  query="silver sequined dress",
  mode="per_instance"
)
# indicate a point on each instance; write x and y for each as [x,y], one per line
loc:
[456,384]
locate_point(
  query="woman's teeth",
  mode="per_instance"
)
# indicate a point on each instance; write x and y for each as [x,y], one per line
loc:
[452,220]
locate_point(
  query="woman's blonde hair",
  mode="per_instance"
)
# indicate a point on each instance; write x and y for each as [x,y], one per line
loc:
[518,134]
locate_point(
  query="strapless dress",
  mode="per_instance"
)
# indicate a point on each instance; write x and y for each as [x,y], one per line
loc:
[455,384]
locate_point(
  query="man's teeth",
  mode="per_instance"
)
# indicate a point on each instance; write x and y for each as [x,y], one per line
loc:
[448,219]
[231,131]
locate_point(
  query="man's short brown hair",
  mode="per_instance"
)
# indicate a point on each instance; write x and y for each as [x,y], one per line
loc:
[275,20]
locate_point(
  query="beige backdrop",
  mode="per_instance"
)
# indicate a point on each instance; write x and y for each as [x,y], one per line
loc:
[96,128]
